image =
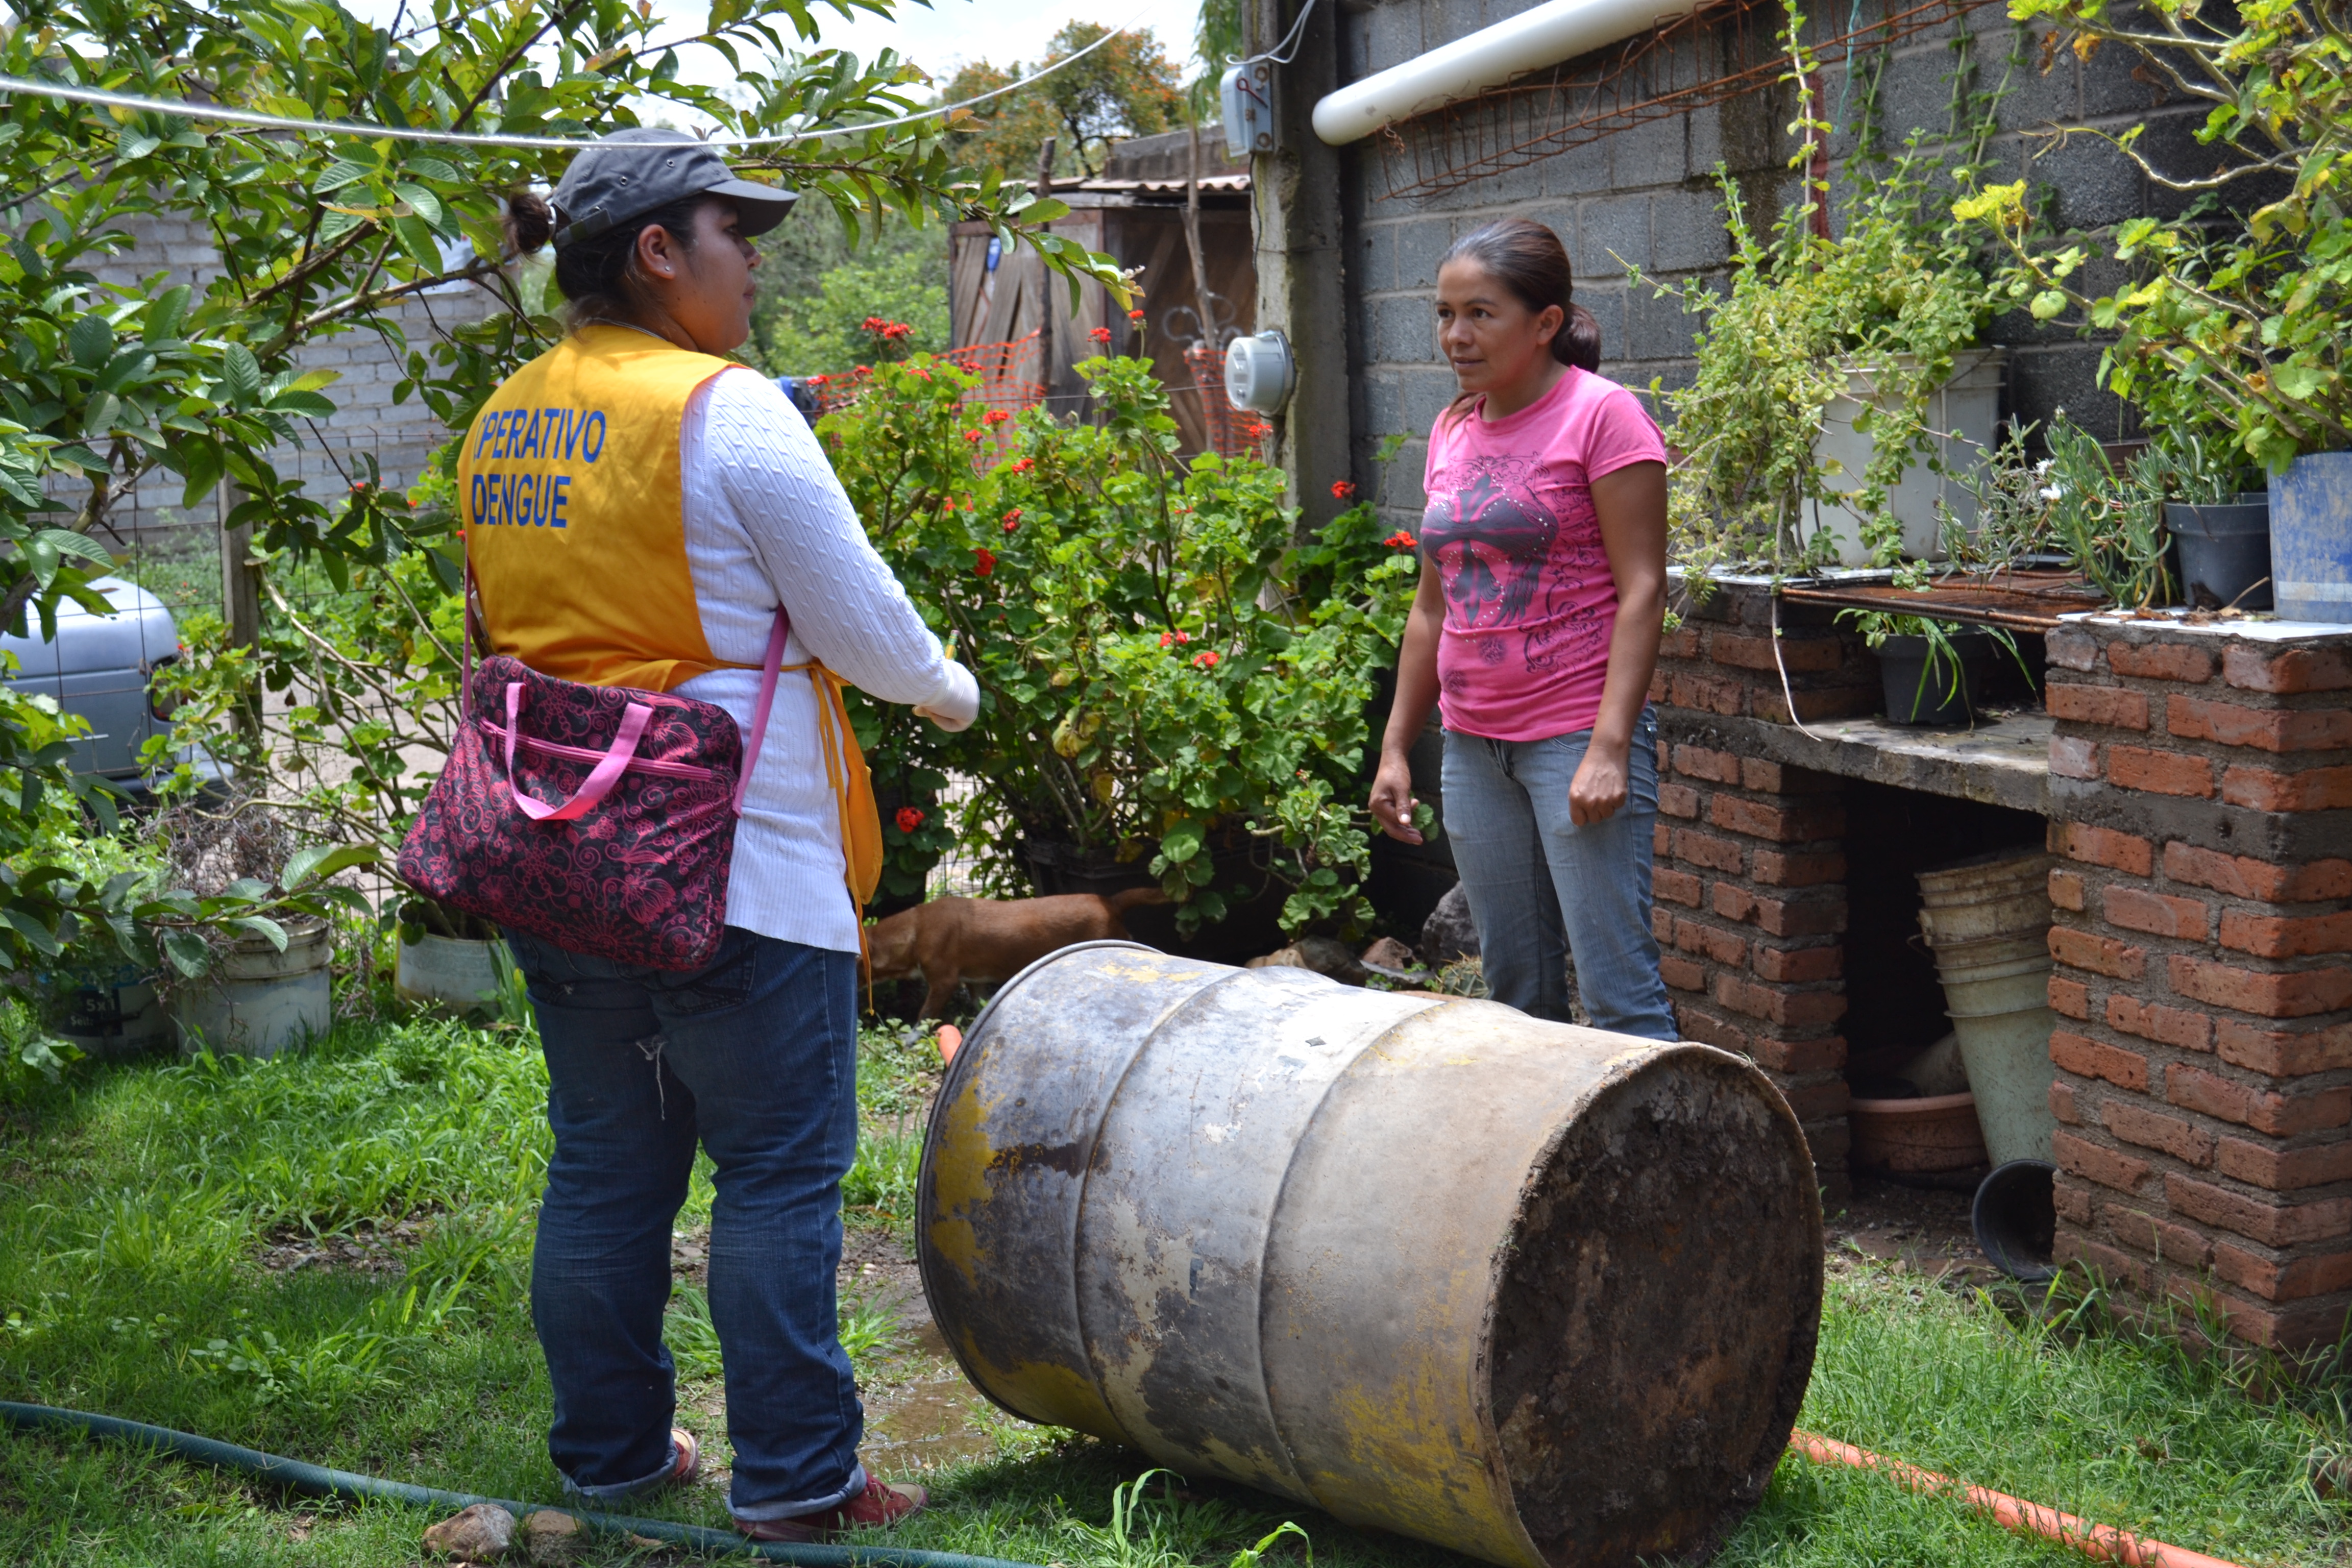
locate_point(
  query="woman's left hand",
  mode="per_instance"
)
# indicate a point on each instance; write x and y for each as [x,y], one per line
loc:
[1597,791]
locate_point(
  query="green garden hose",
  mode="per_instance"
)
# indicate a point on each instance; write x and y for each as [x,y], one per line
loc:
[317,1480]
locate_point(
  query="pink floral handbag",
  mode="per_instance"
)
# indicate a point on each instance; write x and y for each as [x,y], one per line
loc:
[607,828]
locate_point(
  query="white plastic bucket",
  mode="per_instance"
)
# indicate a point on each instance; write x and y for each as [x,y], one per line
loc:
[1988,922]
[259,1001]
[455,972]
[1967,406]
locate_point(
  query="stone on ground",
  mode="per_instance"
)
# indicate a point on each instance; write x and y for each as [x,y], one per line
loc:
[479,1533]
[1449,933]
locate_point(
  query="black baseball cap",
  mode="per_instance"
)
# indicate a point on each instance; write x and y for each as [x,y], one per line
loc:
[629,173]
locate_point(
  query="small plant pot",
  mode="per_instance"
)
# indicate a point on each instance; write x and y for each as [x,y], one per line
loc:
[258,1002]
[1935,1132]
[108,1013]
[458,973]
[1924,687]
[2225,551]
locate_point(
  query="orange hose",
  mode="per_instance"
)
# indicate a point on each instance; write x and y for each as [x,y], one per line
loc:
[2102,1541]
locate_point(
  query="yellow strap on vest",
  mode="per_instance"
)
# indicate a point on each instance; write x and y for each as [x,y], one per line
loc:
[853,788]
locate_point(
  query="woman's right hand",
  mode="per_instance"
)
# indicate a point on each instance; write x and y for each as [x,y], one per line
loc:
[1392,802]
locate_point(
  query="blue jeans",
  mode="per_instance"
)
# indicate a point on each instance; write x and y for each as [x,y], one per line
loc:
[1540,887]
[755,1056]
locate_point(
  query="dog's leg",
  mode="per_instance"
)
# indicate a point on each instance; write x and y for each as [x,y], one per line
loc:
[943,979]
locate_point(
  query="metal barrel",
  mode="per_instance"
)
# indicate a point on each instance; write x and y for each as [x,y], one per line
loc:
[1540,1294]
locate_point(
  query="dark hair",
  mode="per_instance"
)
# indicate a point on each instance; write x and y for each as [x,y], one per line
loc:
[598,275]
[1529,259]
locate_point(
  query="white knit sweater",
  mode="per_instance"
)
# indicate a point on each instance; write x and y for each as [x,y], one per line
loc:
[767,520]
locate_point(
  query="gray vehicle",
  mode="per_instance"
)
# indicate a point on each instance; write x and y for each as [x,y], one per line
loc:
[100,668]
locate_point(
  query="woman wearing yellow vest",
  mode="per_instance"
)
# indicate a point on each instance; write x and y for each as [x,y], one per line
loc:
[636,512]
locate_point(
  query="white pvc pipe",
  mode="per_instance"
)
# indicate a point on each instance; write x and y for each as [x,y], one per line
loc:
[1559,30]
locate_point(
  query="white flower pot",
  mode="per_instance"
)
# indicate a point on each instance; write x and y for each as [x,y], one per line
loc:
[1965,405]
[459,974]
[258,1001]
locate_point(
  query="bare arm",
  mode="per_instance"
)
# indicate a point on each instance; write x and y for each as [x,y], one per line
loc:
[1416,694]
[1631,505]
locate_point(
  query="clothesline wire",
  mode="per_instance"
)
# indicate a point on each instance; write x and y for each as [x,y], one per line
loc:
[184,108]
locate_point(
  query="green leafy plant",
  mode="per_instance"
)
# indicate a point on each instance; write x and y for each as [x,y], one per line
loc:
[2111,524]
[1886,303]
[1170,680]
[2228,322]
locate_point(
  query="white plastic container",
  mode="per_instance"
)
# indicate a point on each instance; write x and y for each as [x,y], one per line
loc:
[456,973]
[1967,406]
[259,1001]
[1988,922]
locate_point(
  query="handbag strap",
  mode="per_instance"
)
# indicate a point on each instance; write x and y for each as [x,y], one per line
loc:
[633,723]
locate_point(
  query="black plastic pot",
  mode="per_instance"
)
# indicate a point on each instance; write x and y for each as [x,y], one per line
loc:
[1919,692]
[1252,926]
[2015,1216]
[2225,551]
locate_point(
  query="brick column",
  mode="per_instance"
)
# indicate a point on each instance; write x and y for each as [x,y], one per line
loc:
[2201,806]
[1750,870]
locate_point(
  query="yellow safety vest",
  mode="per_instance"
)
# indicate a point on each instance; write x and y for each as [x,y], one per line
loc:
[574,510]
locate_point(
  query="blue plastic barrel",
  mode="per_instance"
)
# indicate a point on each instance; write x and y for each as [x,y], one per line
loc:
[2311,539]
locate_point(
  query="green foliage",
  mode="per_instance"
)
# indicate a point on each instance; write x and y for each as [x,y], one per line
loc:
[1165,677]
[2112,524]
[110,388]
[1886,303]
[2226,322]
[837,331]
[1127,87]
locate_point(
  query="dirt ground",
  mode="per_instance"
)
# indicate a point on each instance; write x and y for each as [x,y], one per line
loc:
[921,1414]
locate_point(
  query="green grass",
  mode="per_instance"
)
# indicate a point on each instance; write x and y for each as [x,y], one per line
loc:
[135,1203]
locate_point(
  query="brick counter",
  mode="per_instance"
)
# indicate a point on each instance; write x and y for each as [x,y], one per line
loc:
[2201,799]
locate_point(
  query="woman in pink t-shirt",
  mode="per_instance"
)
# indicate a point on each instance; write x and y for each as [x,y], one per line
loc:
[1535,631]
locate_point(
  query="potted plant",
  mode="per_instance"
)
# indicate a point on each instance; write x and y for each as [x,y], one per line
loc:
[2221,527]
[1831,367]
[1173,689]
[2237,324]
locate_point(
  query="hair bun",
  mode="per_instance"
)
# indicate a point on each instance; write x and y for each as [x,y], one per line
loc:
[528,221]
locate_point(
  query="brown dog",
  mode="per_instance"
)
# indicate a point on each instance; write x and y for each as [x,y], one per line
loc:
[954,940]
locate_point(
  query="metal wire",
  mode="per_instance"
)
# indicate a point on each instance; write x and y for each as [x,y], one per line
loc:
[183,108]
[1722,50]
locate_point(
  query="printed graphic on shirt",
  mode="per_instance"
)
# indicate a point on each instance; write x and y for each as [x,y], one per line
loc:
[1513,568]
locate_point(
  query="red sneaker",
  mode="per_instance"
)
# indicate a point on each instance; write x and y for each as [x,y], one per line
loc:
[880,1505]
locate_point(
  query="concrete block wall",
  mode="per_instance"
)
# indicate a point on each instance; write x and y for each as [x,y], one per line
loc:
[2201,806]
[402,435]
[1647,196]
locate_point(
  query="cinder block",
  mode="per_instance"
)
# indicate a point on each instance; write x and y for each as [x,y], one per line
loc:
[1611,233]
[1419,246]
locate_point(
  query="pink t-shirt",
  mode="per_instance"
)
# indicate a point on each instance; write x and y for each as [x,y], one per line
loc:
[1529,601]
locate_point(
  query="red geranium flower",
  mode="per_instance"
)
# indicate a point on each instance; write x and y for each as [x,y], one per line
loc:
[984,562]
[1401,540]
[1135,315]
[995,416]
[1342,489]
[1166,638]
[873,323]
[1100,334]
[971,435]
[1205,660]
[1025,465]
[910,820]
[1012,519]
[1183,636]
[897,330]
